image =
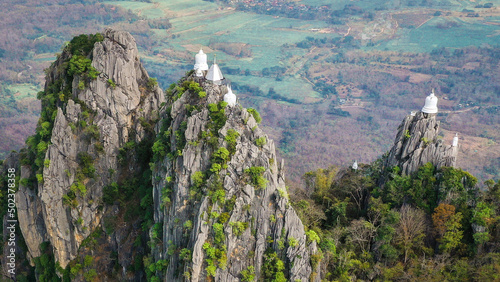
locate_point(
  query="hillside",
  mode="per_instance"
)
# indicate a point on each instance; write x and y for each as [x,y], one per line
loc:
[121,176]
[122,181]
[305,70]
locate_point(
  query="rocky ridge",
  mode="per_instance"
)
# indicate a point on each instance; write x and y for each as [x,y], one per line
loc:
[220,196]
[89,127]
[220,204]
[417,143]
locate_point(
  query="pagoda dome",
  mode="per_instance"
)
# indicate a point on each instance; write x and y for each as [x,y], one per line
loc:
[230,98]
[430,106]
[214,74]
[200,61]
[355,165]
[455,140]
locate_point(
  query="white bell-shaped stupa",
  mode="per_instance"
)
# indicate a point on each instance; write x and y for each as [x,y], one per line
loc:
[355,165]
[230,98]
[198,72]
[214,74]
[200,63]
[455,140]
[431,102]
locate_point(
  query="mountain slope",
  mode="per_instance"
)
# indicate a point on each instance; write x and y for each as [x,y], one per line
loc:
[220,196]
[94,179]
[96,100]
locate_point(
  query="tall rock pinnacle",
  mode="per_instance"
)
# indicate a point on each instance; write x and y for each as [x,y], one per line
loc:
[220,194]
[417,142]
[96,99]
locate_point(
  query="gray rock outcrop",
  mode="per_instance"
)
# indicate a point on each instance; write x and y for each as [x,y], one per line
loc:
[97,120]
[220,204]
[417,143]
[228,212]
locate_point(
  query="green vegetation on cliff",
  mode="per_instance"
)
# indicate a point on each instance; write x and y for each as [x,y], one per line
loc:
[74,61]
[432,225]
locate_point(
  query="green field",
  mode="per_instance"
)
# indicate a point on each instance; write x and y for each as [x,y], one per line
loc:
[199,23]
[290,87]
[429,36]
[25,90]
[465,34]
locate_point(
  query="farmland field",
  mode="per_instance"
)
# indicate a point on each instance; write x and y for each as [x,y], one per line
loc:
[24,90]
[198,24]
[435,34]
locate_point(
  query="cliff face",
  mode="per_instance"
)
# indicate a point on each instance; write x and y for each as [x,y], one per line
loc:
[220,196]
[100,115]
[92,183]
[417,143]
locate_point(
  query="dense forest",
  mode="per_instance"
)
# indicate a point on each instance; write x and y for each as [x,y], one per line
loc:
[376,224]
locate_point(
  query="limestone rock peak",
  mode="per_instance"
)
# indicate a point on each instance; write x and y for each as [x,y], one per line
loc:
[97,98]
[221,194]
[417,143]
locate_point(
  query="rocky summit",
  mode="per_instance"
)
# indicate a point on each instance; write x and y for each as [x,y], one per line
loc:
[146,185]
[103,97]
[221,196]
[417,143]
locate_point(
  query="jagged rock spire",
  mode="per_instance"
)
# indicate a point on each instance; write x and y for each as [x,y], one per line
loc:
[262,212]
[116,110]
[417,143]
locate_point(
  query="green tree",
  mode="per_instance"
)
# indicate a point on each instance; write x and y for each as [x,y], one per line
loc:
[441,215]
[453,235]
[482,216]
[248,274]
[272,269]
[255,114]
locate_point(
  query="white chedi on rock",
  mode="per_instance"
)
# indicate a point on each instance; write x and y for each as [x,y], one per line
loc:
[214,74]
[355,165]
[230,98]
[430,106]
[200,63]
[455,140]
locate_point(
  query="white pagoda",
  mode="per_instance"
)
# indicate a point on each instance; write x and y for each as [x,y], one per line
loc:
[430,106]
[455,140]
[200,64]
[214,74]
[230,98]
